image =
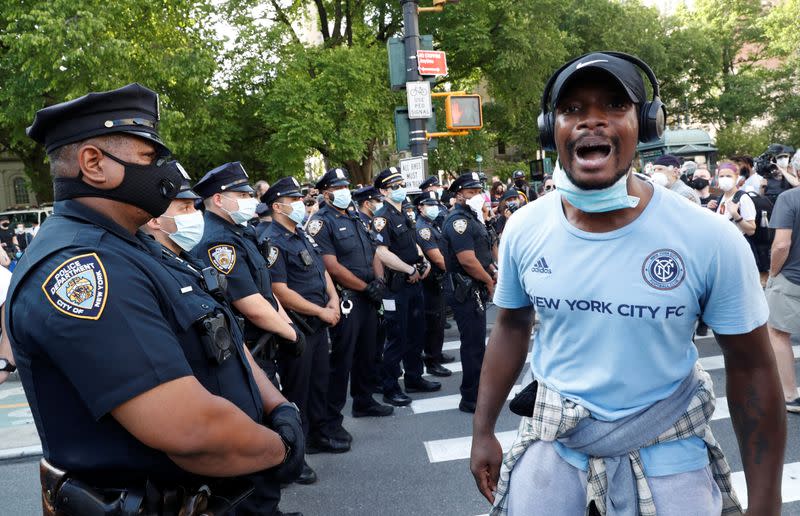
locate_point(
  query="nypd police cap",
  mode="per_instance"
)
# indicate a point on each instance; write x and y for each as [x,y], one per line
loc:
[367,193]
[429,198]
[333,178]
[185,190]
[468,180]
[132,109]
[387,177]
[431,181]
[230,177]
[283,187]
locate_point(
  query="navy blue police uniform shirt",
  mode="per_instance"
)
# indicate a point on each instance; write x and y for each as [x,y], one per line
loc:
[294,259]
[429,237]
[233,251]
[463,231]
[396,231]
[343,236]
[110,323]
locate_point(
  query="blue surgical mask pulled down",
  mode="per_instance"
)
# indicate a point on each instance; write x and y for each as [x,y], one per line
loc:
[190,228]
[342,198]
[615,197]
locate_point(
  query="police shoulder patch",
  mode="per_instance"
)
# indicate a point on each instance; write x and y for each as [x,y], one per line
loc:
[78,287]
[425,233]
[272,256]
[460,226]
[314,226]
[222,257]
[379,223]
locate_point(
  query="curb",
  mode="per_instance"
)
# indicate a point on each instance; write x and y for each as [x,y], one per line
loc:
[22,452]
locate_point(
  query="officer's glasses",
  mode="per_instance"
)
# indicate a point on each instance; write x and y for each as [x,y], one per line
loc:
[549,188]
[397,185]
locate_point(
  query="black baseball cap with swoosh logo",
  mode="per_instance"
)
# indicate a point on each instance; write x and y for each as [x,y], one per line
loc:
[624,72]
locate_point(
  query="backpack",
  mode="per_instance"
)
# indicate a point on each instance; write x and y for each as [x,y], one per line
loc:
[761,240]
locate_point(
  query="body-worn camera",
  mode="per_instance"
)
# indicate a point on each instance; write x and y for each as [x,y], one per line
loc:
[216,337]
[214,283]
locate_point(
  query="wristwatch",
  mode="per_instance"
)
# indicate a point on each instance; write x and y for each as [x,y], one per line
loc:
[7,366]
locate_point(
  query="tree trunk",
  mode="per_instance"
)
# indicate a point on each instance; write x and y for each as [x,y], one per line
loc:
[38,172]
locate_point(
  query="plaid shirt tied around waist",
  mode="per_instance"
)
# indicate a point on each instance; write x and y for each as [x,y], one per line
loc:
[553,416]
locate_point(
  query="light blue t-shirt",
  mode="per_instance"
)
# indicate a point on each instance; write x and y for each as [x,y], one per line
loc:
[617,310]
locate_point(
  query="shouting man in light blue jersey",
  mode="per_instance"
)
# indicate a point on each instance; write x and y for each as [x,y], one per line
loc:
[620,272]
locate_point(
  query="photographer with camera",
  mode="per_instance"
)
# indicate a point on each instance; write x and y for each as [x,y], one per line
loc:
[777,175]
[509,203]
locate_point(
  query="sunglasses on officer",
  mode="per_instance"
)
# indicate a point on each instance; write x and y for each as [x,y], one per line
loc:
[395,186]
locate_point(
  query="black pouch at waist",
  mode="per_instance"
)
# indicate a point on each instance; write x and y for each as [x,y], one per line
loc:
[524,401]
[395,280]
[462,287]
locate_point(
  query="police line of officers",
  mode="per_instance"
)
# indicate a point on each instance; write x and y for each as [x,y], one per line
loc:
[184,364]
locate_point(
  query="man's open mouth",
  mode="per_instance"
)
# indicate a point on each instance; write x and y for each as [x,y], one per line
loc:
[593,153]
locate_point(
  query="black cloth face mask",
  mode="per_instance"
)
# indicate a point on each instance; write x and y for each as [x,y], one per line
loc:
[699,183]
[149,187]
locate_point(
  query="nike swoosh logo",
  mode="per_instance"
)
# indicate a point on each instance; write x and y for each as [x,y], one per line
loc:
[587,63]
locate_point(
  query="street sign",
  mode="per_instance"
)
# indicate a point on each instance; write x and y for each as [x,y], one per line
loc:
[413,171]
[431,62]
[418,94]
[397,60]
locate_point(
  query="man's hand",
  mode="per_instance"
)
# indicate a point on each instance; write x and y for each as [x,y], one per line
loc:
[285,421]
[329,316]
[375,290]
[712,204]
[414,277]
[490,288]
[485,459]
[732,208]
[427,269]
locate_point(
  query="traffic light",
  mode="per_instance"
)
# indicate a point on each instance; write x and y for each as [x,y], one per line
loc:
[463,112]
[437,3]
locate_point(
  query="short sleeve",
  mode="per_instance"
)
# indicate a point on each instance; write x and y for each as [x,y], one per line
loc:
[459,237]
[320,231]
[231,260]
[117,348]
[783,215]
[747,210]
[381,227]
[509,293]
[427,239]
[735,302]
[276,262]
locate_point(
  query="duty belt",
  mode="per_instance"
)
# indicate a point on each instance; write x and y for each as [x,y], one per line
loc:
[65,495]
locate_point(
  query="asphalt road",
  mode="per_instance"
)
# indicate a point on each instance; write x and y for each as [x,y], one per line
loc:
[414,463]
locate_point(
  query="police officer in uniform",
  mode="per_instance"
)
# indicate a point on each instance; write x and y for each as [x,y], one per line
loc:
[429,238]
[229,245]
[470,280]
[403,304]
[306,291]
[349,256]
[369,200]
[127,347]
[432,184]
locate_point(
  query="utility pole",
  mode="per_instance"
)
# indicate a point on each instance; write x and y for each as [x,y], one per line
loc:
[418,142]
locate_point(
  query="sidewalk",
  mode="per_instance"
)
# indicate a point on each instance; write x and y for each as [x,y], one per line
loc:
[18,436]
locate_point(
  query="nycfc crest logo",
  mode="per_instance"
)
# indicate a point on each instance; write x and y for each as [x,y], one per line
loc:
[663,269]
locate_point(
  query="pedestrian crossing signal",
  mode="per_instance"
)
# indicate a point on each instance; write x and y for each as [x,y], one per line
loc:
[463,112]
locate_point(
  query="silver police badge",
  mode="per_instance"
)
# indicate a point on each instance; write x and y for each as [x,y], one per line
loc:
[460,226]
[78,287]
[223,257]
[314,226]
[379,223]
[272,256]
[425,233]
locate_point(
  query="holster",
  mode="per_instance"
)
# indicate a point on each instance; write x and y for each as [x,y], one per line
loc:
[63,495]
[462,286]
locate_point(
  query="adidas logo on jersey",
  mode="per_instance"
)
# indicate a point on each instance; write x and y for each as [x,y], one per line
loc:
[541,266]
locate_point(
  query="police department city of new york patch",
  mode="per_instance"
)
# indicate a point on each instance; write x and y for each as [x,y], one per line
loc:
[272,256]
[78,287]
[314,226]
[460,226]
[379,223]
[425,233]
[663,269]
[222,257]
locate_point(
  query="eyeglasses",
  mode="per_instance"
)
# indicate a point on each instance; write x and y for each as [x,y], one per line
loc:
[309,202]
[549,188]
[397,185]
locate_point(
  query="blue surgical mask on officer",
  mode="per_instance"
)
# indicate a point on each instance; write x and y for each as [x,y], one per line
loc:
[377,206]
[431,212]
[190,227]
[246,211]
[615,197]
[397,195]
[298,211]
[341,198]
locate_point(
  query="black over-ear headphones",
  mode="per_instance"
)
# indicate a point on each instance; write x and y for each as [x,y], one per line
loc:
[652,115]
